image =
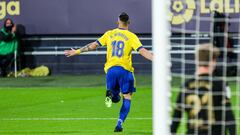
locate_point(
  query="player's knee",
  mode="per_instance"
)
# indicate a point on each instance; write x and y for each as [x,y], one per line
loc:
[116,99]
[127,96]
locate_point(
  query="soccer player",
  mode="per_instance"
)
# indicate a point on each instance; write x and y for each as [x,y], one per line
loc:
[120,43]
[205,98]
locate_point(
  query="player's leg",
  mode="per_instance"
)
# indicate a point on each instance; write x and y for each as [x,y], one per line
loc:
[112,96]
[126,105]
[116,95]
[108,99]
[127,84]
[112,93]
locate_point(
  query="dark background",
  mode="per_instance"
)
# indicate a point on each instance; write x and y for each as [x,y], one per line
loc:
[81,16]
[41,17]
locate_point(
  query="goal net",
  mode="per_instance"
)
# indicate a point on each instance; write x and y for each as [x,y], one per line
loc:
[195,23]
[195,107]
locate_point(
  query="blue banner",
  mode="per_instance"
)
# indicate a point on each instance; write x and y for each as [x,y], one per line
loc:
[97,16]
[76,16]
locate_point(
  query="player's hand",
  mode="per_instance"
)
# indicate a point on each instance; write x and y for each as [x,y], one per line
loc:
[72,52]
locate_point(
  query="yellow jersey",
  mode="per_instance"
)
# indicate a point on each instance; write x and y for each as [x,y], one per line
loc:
[120,44]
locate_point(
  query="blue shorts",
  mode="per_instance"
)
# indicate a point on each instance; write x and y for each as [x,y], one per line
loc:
[120,80]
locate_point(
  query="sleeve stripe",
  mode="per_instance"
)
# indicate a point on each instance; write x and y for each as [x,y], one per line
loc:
[139,48]
[99,43]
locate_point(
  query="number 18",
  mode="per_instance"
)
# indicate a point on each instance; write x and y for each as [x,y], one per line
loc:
[117,48]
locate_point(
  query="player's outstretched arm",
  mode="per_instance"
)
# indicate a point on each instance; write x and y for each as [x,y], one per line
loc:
[146,54]
[89,47]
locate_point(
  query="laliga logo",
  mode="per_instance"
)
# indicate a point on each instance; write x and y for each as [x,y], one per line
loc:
[12,8]
[182,12]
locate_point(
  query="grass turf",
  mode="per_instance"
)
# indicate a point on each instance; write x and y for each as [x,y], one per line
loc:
[43,103]
[38,102]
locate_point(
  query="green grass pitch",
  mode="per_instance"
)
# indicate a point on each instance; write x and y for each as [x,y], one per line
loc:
[69,105]
[74,105]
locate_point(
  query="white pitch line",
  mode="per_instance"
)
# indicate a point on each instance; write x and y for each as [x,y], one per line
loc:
[65,119]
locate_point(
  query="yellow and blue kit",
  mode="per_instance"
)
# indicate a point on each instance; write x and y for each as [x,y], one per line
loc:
[120,43]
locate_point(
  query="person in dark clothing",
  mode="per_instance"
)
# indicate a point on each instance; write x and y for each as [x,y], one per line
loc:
[8,45]
[205,99]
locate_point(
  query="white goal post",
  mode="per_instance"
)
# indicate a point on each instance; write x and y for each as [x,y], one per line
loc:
[161,68]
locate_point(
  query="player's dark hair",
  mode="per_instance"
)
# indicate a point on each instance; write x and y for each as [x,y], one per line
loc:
[206,53]
[124,17]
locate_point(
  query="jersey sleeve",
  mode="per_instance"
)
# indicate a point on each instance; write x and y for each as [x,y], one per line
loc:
[136,44]
[102,41]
